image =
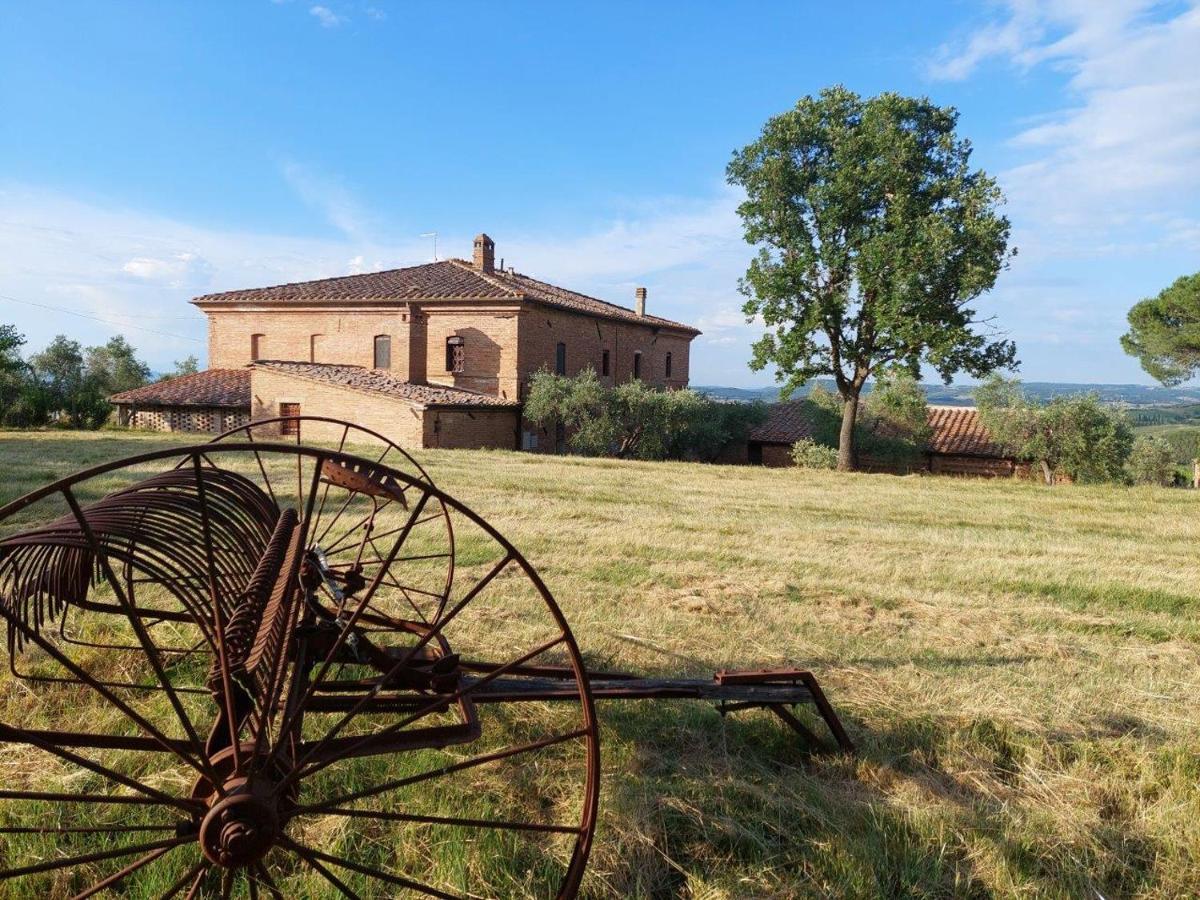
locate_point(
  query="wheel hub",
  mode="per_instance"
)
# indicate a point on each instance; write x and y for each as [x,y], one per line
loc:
[241,827]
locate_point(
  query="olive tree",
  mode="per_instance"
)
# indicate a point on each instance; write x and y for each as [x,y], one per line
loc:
[874,236]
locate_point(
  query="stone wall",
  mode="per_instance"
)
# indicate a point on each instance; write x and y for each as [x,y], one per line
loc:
[201,419]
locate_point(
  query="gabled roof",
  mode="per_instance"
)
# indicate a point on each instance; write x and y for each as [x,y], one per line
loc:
[212,387]
[955,430]
[379,381]
[452,279]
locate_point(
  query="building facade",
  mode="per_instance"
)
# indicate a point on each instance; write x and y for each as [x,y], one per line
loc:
[441,354]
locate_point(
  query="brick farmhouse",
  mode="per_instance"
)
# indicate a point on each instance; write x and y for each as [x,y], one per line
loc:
[436,355]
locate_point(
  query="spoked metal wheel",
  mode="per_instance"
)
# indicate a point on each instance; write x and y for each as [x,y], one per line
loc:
[261,669]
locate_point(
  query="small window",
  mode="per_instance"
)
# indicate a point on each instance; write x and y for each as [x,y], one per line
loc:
[604,362]
[560,359]
[456,357]
[637,364]
[257,346]
[289,426]
[314,342]
[667,366]
[383,351]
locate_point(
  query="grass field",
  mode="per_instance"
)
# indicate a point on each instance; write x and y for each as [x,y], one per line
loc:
[1018,666]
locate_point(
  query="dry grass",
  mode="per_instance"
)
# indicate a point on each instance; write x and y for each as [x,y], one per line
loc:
[1017,665]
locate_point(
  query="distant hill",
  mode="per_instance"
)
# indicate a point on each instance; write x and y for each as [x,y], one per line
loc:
[1131,395]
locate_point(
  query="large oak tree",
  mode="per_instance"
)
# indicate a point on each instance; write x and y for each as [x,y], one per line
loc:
[874,237]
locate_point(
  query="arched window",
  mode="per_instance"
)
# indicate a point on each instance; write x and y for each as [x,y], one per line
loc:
[667,367]
[258,344]
[456,356]
[560,359]
[637,364]
[383,351]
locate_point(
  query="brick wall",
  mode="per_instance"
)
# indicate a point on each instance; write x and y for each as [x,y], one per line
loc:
[489,349]
[587,337]
[470,429]
[395,419]
[342,336]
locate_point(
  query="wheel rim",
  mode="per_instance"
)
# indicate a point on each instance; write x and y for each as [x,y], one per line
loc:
[308,732]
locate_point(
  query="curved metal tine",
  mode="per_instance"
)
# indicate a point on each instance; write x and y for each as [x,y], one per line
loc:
[123,685]
[325,493]
[315,863]
[98,856]
[323,806]
[194,873]
[62,633]
[218,621]
[117,877]
[11,735]
[276,685]
[344,634]
[200,765]
[139,629]
[403,661]
[441,703]
[397,880]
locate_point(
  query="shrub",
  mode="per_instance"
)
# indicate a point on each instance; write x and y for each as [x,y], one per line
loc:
[1152,462]
[808,454]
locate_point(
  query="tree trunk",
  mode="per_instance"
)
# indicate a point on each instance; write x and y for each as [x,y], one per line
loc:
[846,455]
[1047,473]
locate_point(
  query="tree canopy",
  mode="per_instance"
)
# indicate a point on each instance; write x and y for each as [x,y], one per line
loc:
[65,383]
[1077,435]
[874,236]
[1164,332]
[635,420]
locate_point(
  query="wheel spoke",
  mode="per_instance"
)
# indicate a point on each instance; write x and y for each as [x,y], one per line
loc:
[72,861]
[440,703]
[11,735]
[499,824]
[315,863]
[373,873]
[397,783]
[118,877]
[194,875]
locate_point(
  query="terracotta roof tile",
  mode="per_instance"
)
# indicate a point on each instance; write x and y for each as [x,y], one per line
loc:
[786,423]
[379,381]
[213,387]
[452,279]
[956,430]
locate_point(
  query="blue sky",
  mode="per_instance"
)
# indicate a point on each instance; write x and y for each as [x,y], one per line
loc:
[154,151]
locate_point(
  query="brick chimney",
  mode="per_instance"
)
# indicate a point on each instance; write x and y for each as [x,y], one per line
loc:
[641,301]
[485,254]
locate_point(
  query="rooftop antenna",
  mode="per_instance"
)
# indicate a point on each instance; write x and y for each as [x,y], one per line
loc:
[432,234]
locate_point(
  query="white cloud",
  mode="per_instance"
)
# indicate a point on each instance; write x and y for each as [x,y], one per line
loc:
[326,16]
[330,197]
[139,269]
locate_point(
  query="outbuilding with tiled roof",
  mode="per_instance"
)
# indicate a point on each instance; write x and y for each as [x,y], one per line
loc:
[959,443]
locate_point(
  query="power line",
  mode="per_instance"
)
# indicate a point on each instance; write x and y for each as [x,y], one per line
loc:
[72,312]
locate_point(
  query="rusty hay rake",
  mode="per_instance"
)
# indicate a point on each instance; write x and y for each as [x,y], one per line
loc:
[257,667]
